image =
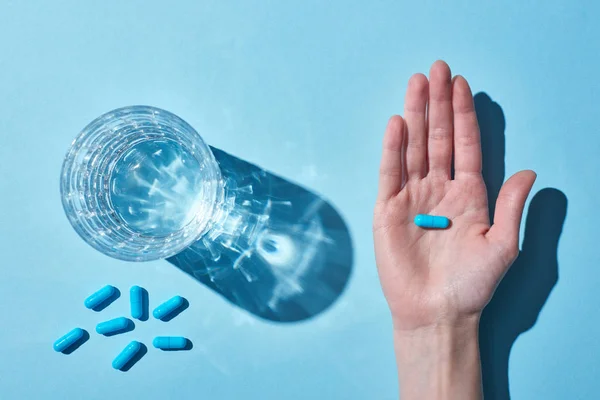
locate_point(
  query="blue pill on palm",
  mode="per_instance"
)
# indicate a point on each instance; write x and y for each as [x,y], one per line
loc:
[168,307]
[99,297]
[125,356]
[68,339]
[114,326]
[170,342]
[431,221]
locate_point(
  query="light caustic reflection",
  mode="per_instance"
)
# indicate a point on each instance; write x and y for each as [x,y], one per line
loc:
[285,251]
[156,187]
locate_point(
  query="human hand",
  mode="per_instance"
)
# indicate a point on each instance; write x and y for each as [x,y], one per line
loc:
[441,277]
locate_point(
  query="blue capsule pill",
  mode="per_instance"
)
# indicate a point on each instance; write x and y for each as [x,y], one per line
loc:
[97,298]
[136,298]
[168,307]
[431,221]
[67,340]
[170,342]
[113,326]
[126,355]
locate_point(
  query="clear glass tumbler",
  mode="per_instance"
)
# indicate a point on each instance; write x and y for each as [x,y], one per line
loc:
[140,184]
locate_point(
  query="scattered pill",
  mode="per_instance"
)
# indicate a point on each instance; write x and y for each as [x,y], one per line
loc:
[126,355]
[97,298]
[170,342]
[67,340]
[113,326]
[431,221]
[136,297]
[168,307]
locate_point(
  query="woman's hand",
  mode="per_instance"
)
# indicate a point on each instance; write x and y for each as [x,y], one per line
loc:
[432,276]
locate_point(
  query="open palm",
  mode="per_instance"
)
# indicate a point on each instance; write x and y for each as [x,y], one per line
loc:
[437,276]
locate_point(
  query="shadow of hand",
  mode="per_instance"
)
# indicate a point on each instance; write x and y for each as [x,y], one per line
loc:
[522,293]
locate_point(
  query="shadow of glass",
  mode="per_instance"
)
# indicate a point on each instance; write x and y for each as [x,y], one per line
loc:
[282,252]
[521,295]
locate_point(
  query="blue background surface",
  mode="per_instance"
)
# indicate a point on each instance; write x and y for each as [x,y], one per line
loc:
[303,89]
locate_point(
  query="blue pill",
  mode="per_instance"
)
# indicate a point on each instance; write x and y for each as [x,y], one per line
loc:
[67,340]
[113,326]
[126,355]
[136,298]
[97,298]
[168,307]
[431,221]
[170,342]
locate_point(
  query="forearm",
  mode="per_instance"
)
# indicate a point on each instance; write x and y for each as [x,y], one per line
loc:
[440,362]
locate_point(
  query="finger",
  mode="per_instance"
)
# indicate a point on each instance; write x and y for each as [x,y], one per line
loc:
[391,169]
[467,141]
[415,106]
[439,140]
[509,210]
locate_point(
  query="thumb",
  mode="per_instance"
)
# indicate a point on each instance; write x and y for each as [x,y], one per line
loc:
[509,210]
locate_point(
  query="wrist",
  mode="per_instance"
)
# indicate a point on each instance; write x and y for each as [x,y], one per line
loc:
[440,361]
[436,325]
